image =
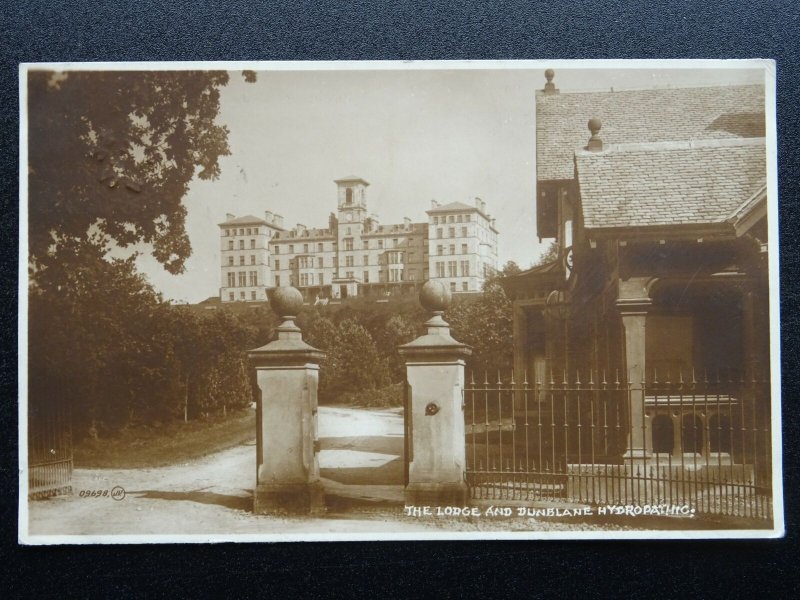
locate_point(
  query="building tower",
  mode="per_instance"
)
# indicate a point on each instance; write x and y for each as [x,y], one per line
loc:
[352,213]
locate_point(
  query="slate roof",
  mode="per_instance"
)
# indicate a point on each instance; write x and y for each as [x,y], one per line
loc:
[672,183]
[654,115]
[245,220]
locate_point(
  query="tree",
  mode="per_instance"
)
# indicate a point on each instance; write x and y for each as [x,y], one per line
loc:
[485,324]
[397,331]
[549,255]
[111,155]
[510,268]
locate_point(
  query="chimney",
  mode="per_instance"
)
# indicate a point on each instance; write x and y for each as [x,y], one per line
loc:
[493,221]
[595,143]
[268,216]
[229,216]
[406,222]
[483,207]
[277,220]
[434,204]
[550,87]
[301,229]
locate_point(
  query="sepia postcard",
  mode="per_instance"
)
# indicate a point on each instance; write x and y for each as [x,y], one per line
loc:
[398,300]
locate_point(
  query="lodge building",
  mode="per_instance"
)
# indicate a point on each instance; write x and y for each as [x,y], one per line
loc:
[657,200]
[355,255]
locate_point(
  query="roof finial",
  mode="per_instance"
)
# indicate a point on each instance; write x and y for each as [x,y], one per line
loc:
[550,87]
[595,143]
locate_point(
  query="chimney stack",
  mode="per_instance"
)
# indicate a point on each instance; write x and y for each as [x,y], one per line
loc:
[277,220]
[301,229]
[268,216]
[434,204]
[595,143]
[483,207]
[229,216]
[406,222]
[550,87]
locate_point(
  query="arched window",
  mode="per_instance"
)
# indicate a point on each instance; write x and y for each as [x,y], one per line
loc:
[663,440]
[692,434]
[719,433]
[348,196]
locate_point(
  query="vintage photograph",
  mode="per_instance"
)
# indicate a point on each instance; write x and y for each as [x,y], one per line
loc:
[398,300]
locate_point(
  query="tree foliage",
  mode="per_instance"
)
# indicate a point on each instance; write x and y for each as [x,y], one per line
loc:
[112,153]
[485,324]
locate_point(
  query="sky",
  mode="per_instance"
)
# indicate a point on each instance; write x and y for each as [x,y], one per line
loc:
[416,135]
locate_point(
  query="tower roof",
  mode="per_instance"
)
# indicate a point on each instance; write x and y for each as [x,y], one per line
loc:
[351,179]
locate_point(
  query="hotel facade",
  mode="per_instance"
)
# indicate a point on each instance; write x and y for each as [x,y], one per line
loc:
[355,255]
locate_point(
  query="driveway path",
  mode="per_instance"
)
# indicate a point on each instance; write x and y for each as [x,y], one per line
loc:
[361,465]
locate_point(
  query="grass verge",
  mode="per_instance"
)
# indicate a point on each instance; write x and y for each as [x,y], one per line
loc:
[143,447]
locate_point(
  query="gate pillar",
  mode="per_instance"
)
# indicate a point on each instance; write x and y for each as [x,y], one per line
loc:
[287,469]
[633,311]
[435,376]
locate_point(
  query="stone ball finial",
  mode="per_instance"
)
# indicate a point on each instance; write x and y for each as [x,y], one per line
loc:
[435,296]
[549,74]
[594,126]
[286,301]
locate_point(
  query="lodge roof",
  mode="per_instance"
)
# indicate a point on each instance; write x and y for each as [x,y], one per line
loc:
[649,115]
[671,183]
[245,220]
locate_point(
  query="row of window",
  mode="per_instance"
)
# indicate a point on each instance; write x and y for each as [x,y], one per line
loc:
[244,231]
[241,260]
[242,296]
[451,232]
[450,269]
[349,245]
[241,244]
[308,262]
[392,275]
[443,250]
[243,278]
[452,219]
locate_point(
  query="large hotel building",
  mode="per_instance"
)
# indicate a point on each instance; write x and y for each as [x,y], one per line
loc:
[355,255]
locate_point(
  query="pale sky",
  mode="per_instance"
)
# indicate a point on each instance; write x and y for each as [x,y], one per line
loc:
[415,135]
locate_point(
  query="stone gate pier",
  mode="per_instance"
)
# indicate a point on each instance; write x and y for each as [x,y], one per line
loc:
[435,376]
[287,469]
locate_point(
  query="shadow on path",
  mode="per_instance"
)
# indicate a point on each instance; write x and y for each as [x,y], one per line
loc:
[201,497]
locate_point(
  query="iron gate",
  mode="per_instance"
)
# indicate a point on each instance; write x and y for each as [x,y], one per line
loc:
[705,441]
[49,450]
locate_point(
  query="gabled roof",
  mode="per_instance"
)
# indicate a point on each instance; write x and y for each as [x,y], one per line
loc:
[453,207]
[672,183]
[654,115]
[245,220]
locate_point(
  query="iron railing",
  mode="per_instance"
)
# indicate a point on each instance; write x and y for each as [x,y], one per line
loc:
[49,450]
[696,440]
